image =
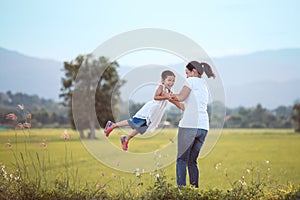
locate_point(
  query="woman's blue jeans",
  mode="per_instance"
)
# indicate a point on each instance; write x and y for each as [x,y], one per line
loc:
[190,141]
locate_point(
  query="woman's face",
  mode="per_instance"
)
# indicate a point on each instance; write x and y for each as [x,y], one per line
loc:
[189,73]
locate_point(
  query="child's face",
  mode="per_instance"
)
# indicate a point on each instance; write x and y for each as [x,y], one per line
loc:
[169,81]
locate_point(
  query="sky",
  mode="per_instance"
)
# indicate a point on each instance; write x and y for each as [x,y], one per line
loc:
[61,30]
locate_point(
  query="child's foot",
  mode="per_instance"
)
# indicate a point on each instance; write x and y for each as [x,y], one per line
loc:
[124,143]
[108,128]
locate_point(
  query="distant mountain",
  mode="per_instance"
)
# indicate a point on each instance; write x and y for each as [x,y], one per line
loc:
[277,65]
[21,73]
[271,78]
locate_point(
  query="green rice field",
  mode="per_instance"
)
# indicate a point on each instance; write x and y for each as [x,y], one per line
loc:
[44,155]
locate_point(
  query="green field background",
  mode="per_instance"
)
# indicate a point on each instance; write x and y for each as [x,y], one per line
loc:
[250,153]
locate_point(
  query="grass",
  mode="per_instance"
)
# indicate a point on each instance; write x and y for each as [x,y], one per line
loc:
[237,152]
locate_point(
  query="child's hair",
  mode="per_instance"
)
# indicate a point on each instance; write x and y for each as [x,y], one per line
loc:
[166,73]
[201,67]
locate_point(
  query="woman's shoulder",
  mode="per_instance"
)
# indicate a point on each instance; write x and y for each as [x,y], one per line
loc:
[194,82]
[195,79]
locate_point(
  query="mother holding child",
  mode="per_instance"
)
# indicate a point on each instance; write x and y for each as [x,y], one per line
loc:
[192,128]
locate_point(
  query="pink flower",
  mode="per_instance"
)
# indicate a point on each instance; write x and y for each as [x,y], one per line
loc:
[114,176]
[8,144]
[23,125]
[28,116]
[20,126]
[66,135]
[43,144]
[99,187]
[102,173]
[27,125]
[12,116]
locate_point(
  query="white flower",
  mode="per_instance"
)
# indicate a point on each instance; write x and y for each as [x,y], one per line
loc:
[217,166]
[21,106]
[137,174]
[3,170]
[242,182]
[267,161]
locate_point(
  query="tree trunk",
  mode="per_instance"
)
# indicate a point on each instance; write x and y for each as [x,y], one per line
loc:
[297,127]
[81,134]
[296,117]
[92,134]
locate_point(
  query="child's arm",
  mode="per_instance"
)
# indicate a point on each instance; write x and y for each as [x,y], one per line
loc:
[160,95]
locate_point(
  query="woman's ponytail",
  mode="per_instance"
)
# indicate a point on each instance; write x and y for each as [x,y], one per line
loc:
[207,69]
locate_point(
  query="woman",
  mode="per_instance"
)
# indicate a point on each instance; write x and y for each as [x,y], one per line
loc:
[194,125]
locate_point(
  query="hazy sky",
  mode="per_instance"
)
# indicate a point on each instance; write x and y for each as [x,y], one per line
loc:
[61,30]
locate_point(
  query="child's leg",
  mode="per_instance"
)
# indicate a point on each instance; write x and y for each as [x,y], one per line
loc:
[125,139]
[110,126]
[121,123]
[131,135]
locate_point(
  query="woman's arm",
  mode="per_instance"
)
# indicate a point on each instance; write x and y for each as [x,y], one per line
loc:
[184,93]
[177,104]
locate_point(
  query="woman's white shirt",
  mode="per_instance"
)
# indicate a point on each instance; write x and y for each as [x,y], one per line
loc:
[195,114]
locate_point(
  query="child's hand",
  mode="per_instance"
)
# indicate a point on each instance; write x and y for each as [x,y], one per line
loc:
[173,97]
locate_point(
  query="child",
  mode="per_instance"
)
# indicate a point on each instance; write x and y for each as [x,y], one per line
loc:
[149,116]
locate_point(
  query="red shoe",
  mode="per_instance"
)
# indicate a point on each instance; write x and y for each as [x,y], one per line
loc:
[124,143]
[108,128]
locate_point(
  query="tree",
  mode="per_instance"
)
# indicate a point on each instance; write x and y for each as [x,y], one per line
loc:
[296,116]
[87,84]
